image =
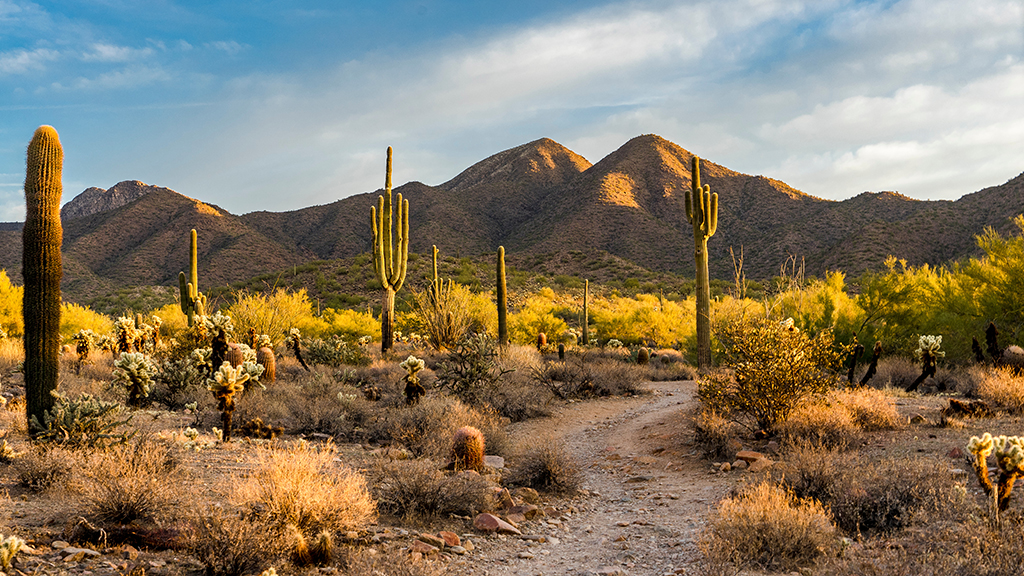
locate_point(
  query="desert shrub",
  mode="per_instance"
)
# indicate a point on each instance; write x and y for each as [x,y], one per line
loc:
[139,480]
[444,319]
[470,368]
[227,544]
[82,422]
[1000,388]
[714,435]
[305,487]
[565,379]
[350,324]
[356,563]
[668,364]
[870,408]
[820,420]
[591,375]
[545,465]
[774,365]
[646,319]
[873,496]
[612,378]
[334,351]
[75,317]
[11,298]
[419,487]
[272,314]
[41,469]
[768,527]
[177,382]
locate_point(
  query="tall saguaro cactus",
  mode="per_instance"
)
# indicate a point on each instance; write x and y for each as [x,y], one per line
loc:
[502,297]
[702,211]
[42,270]
[390,261]
[193,302]
[586,313]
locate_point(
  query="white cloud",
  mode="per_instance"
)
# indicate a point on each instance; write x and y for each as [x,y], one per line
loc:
[21,61]
[231,47]
[111,53]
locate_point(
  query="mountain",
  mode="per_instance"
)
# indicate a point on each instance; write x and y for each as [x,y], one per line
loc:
[544,203]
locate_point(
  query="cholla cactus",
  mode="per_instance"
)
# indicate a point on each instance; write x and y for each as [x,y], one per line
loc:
[614,343]
[263,341]
[294,343]
[9,547]
[413,389]
[201,358]
[364,340]
[3,333]
[219,321]
[84,342]
[129,337]
[253,370]
[1009,452]
[929,345]
[227,382]
[787,325]
[135,372]
[927,352]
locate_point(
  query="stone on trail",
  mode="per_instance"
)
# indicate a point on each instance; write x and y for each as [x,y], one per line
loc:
[749,456]
[490,523]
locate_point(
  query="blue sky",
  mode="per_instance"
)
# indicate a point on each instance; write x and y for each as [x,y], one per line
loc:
[275,105]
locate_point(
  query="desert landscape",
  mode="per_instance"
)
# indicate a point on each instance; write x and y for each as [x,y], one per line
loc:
[587,288]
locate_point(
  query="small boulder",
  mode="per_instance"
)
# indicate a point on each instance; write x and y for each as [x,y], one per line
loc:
[528,495]
[450,538]
[749,456]
[490,523]
[435,541]
[760,464]
[422,548]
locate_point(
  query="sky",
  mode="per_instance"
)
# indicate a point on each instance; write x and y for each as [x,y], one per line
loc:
[278,105]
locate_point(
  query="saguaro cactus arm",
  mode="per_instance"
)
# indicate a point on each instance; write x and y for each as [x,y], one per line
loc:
[389,261]
[702,212]
[193,302]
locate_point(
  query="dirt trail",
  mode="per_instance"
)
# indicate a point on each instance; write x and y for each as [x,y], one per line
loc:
[649,492]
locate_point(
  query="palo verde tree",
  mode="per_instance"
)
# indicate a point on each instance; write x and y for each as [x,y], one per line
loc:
[389,260]
[702,211]
[42,270]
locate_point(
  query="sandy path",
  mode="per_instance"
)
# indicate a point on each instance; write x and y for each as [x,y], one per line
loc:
[649,492]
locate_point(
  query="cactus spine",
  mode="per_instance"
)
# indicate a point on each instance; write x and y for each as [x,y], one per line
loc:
[42,270]
[502,296]
[389,261]
[702,212]
[586,313]
[193,302]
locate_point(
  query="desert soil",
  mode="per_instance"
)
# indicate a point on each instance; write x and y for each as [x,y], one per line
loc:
[647,492]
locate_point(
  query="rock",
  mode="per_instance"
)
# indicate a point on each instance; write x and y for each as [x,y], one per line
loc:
[529,511]
[129,552]
[73,554]
[549,511]
[760,465]
[609,571]
[504,499]
[749,456]
[528,495]
[496,462]
[468,545]
[456,550]
[725,467]
[526,555]
[435,541]
[420,547]
[640,479]
[773,447]
[623,523]
[490,523]
[553,541]
[450,538]
[955,453]
[515,518]
[918,419]
[739,465]
[60,544]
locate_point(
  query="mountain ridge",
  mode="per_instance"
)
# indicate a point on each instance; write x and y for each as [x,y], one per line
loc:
[536,198]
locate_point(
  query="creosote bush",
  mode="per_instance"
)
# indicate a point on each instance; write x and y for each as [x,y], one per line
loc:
[1000,388]
[229,545]
[419,488]
[774,367]
[545,465]
[770,528]
[137,481]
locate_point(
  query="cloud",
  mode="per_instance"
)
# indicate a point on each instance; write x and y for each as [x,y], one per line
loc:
[230,47]
[21,61]
[111,53]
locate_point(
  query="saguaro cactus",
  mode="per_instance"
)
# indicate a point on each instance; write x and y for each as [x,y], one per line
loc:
[502,296]
[389,261]
[42,270]
[702,211]
[193,302]
[586,313]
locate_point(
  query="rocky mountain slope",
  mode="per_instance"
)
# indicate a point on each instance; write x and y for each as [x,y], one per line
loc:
[538,198]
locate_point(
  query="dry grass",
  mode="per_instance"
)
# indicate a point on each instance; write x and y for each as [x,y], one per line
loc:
[715,435]
[419,488]
[871,409]
[40,469]
[821,421]
[1000,388]
[768,527]
[11,353]
[545,465]
[139,481]
[306,487]
[362,564]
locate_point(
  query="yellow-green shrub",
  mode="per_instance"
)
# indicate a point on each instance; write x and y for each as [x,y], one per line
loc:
[350,324]
[274,314]
[74,317]
[10,306]
[646,318]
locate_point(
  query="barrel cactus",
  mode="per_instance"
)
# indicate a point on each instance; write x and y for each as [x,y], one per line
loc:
[468,449]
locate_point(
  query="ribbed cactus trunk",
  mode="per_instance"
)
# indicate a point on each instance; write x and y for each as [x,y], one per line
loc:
[193,302]
[702,211]
[586,313]
[42,271]
[389,261]
[502,297]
